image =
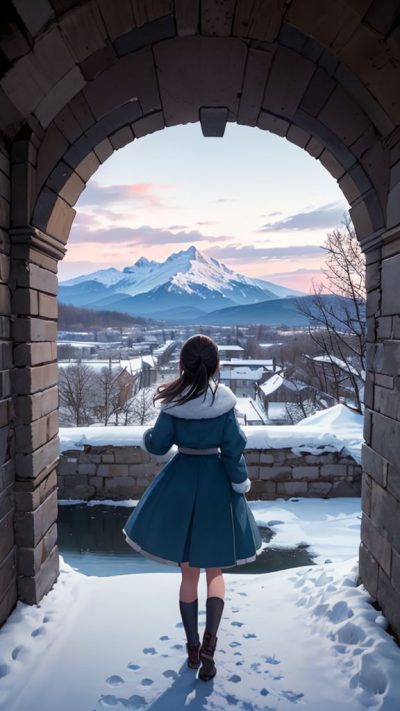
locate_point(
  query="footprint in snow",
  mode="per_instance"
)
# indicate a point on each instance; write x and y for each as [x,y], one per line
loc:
[133,666]
[249,635]
[147,681]
[234,644]
[149,650]
[4,669]
[292,696]
[340,612]
[165,636]
[170,674]
[243,593]
[237,624]
[115,680]
[133,702]
[177,646]
[18,651]
[271,660]
[38,631]
[235,678]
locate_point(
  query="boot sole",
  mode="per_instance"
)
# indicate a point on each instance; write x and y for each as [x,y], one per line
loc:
[207,677]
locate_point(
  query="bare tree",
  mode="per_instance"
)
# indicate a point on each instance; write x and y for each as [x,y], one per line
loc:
[75,391]
[338,323]
[139,409]
[106,397]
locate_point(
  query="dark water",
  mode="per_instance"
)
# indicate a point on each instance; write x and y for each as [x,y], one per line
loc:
[90,539]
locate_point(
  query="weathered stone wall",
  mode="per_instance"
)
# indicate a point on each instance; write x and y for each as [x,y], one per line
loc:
[380,526]
[8,586]
[110,472]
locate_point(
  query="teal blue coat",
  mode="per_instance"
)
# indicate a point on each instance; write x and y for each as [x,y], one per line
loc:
[195,509]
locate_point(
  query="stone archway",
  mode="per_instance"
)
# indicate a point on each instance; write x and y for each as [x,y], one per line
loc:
[82,79]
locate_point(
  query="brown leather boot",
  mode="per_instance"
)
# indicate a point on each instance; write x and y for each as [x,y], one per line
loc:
[208,669]
[193,655]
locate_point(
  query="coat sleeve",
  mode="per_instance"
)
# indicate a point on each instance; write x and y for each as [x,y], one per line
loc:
[159,438]
[232,446]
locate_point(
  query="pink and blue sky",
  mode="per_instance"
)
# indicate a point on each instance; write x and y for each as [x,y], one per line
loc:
[253,200]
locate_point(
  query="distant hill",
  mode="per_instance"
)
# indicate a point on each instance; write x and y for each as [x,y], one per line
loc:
[77,318]
[272,312]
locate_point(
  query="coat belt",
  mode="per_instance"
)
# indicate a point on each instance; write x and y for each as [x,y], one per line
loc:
[195,450]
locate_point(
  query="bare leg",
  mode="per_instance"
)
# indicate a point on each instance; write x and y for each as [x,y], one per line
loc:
[189,582]
[215,582]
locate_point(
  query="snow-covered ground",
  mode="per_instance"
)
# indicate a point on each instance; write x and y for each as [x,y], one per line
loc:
[307,636]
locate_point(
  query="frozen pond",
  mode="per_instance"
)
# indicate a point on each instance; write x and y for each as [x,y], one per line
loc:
[91,541]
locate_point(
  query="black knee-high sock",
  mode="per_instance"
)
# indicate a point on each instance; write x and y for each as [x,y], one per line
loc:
[214,608]
[189,618]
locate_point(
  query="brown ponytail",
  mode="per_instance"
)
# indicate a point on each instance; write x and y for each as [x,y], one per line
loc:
[198,362]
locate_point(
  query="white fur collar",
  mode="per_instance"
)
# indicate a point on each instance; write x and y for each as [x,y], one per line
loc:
[199,408]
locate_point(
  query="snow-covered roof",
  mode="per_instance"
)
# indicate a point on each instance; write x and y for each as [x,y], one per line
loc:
[249,362]
[230,348]
[331,359]
[246,406]
[241,374]
[277,380]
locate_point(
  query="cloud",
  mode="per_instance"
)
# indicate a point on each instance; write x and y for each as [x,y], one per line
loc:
[206,222]
[329,215]
[144,235]
[224,200]
[97,194]
[249,253]
[296,272]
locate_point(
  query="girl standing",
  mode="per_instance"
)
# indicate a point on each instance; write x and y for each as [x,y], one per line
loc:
[194,513]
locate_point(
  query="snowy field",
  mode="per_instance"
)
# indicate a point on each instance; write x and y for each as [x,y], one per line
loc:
[306,637]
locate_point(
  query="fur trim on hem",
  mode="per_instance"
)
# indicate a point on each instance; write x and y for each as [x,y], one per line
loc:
[202,408]
[242,487]
[139,549]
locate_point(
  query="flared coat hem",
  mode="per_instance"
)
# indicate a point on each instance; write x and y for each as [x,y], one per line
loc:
[158,559]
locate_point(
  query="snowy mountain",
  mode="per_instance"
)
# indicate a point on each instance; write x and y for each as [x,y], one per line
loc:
[187,283]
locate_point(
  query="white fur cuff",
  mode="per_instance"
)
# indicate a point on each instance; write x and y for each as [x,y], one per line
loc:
[242,487]
[142,443]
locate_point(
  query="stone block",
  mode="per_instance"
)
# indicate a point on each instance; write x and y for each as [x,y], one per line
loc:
[66,183]
[346,488]
[375,542]
[59,95]
[319,488]
[384,514]
[67,124]
[32,589]
[374,465]
[83,30]
[266,458]
[32,276]
[28,408]
[275,124]
[29,560]
[389,600]
[331,164]
[368,570]
[333,470]
[305,473]
[319,89]
[276,473]
[366,495]
[103,150]
[150,33]
[29,494]
[7,572]
[187,17]
[260,22]
[122,487]
[113,470]
[292,488]
[343,116]
[118,18]
[48,306]
[30,437]
[30,527]
[25,302]
[298,136]
[184,89]
[121,116]
[28,380]
[133,76]
[7,540]
[9,598]
[121,138]
[395,577]
[148,124]
[390,285]
[393,481]
[256,72]
[31,465]
[288,79]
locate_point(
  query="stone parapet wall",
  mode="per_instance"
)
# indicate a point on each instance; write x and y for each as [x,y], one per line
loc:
[110,472]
